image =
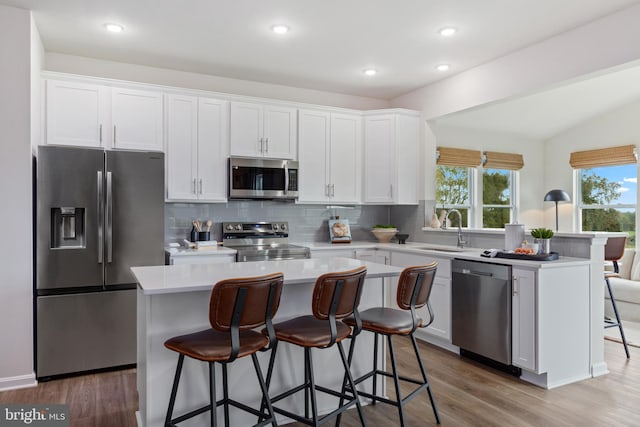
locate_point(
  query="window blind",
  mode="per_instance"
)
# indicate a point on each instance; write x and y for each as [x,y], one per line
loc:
[458,157]
[510,161]
[611,156]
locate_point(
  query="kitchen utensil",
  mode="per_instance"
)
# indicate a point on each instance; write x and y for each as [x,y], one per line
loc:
[209,223]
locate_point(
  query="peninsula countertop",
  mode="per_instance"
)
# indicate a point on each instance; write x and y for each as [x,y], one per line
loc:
[198,277]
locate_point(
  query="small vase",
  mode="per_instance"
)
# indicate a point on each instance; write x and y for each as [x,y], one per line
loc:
[435,222]
[545,246]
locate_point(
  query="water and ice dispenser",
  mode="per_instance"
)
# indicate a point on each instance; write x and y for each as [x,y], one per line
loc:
[67,228]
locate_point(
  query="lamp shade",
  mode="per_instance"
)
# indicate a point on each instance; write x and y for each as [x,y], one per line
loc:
[557,196]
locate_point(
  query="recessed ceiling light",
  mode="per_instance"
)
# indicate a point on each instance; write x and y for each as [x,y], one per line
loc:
[280,29]
[447,31]
[442,67]
[371,71]
[114,28]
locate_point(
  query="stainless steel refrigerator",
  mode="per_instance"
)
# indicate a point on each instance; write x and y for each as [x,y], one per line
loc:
[98,213]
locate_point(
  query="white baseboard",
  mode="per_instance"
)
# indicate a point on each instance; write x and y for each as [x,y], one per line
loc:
[599,369]
[20,381]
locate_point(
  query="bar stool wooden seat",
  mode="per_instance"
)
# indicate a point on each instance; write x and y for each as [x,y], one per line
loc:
[613,251]
[336,295]
[236,307]
[414,289]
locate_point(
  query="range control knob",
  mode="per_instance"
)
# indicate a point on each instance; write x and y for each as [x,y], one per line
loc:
[239,227]
[276,227]
[229,227]
[283,227]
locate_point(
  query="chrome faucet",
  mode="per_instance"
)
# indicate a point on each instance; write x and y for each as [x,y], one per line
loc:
[461,242]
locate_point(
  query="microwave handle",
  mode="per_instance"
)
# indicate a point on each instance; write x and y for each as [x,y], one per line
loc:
[286,178]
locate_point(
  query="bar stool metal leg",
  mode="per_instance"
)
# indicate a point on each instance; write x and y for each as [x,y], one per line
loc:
[618,322]
[396,382]
[352,384]
[424,378]
[174,391]
[212,393]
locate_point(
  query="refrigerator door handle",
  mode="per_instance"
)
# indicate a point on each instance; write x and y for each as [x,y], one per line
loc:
[100,219]
[109,218]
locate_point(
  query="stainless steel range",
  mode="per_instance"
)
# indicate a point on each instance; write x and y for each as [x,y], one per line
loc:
[261,241]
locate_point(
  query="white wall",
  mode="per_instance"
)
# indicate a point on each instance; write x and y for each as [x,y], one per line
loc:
[607,42]
[614,128]
[16,319]
[532,188]
[161,76]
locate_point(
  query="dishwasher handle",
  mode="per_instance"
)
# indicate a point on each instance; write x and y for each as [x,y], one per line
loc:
[475,273]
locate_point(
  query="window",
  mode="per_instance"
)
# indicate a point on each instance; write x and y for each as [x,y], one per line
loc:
[459,185]
[453,191]
[608,197]
[497,197]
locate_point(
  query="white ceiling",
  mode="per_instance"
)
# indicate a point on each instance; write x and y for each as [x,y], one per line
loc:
[330,43]
[543,115]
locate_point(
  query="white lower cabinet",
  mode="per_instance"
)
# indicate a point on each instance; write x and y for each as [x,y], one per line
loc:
[172,259]
[440,298]
[333,253]
[523,306]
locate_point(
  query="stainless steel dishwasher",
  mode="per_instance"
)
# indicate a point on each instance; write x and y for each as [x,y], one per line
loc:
[481,311]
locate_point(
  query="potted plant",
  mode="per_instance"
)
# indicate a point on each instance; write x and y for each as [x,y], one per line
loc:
[543,236]
[384,233]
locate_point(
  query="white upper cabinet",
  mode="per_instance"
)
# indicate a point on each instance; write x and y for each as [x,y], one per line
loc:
[197,141]
[75,113]
[94,115]
[263,131]
[136,119]
[391,157]
[329,156]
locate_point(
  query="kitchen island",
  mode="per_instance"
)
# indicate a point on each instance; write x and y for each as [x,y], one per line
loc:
[174,300]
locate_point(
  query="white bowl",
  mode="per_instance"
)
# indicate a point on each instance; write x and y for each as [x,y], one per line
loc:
[534,246]
[384,235]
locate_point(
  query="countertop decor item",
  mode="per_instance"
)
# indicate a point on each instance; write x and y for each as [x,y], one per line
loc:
[339,230]
[402,238]
[513,236]
[384,233]
[543,237]
[557,196]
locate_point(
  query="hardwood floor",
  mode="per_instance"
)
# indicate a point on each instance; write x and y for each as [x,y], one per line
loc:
[467,394]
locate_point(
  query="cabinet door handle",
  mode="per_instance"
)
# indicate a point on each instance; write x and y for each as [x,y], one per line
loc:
[114,135]
[194,186]
[266,140]
[200,185]
[391,191]
[261,145]
[100,133]
[333,190]
[514,290]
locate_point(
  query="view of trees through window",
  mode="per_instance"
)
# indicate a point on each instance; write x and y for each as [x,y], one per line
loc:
[452,191]
[496,198]
[608,199]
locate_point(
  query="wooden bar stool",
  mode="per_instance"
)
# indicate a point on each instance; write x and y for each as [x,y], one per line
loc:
[236,307]
[613,251]
[335,296]
[414,289]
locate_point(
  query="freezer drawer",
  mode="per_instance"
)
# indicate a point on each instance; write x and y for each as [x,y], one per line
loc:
[81,332]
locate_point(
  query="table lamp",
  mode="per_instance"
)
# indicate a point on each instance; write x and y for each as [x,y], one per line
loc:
[556,196]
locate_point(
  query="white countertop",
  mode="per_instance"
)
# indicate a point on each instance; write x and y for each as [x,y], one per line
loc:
[201,277]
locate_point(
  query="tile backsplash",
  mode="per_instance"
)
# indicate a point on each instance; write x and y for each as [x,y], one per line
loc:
[307,223]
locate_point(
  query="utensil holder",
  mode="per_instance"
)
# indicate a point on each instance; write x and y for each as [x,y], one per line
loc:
[204,236]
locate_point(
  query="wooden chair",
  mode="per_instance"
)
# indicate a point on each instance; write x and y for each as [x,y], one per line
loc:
[236,307]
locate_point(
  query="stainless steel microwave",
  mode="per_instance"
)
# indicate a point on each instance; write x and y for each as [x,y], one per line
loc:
[262,178]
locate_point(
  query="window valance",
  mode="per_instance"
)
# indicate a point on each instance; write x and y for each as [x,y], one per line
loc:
[510,161]
[447,156]
[612,156]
